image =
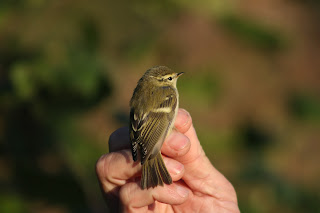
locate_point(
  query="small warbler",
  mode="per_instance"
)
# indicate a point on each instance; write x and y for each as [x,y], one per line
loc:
[154,106]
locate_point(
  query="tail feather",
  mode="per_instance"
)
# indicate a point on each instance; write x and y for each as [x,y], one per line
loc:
[154,173]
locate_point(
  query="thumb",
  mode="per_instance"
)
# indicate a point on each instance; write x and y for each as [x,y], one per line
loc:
[184,125]
[198,169]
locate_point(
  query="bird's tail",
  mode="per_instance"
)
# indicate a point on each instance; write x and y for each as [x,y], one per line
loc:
[154,173]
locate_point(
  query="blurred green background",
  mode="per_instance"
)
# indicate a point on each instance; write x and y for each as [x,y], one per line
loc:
[252,85]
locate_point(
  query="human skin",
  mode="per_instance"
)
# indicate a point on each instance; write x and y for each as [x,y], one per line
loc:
[197,186]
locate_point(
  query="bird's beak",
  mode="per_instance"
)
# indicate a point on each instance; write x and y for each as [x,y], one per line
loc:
[178,74]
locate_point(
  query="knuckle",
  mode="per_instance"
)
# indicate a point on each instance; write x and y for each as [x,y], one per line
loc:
[104,171]
[125,193]
[100,165]
[108,167]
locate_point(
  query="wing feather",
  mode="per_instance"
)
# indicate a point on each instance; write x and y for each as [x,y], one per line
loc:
[147,129]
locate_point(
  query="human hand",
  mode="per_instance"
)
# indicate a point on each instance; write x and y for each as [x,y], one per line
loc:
[197,185]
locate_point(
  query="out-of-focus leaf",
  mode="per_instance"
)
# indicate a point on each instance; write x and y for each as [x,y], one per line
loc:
[22,81]
[11,204]
[253,32]
[305,107]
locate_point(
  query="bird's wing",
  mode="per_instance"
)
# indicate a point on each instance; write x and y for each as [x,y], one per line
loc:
[149,127]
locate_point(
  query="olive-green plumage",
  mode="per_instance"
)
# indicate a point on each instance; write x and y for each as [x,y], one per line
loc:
[154,106]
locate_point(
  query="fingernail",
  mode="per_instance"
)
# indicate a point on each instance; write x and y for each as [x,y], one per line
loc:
[177,169]
[174,167]
[177,142]
[185,114]
[182,191]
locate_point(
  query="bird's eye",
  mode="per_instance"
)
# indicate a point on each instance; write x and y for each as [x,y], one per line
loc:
[170,78]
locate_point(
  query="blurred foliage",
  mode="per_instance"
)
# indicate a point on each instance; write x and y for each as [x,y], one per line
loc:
[202,88]
[253,33]
[68,68]
[305,107]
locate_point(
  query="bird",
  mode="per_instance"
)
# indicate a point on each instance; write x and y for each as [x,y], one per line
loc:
[153,110]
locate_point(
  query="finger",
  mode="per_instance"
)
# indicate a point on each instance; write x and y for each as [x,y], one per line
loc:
[119,140]
[186,149]
[196,152]
[183,149]
[175,168]
[134,198]
[117,168]
[198,168]
[114,169]
[183,121]
[177,144]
